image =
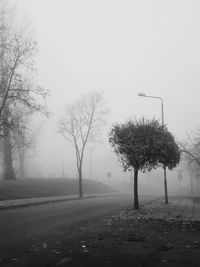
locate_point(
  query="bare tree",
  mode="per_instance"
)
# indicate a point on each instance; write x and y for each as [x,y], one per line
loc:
[81,124]
[191,147]
[25,139]
[17,87]
[17,69]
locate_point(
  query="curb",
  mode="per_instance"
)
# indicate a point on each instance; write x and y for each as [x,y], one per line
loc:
[13,203]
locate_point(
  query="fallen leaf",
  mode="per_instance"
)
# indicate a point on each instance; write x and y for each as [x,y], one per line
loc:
[62,261]
[44,245]
[188,246]
[164,247]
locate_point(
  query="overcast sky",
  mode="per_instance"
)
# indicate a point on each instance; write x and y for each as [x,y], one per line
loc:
[121,48]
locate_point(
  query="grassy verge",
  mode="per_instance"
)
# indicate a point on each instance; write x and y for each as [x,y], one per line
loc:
[36,187]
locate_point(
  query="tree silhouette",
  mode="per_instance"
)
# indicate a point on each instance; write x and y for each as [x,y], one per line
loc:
[143,145]
[82,123]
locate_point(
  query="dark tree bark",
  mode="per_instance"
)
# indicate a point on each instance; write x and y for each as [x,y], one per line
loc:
[8,173]
[80,183]
[136,202]
[21,162]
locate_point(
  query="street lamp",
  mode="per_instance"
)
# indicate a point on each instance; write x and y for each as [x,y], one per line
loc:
[162,109]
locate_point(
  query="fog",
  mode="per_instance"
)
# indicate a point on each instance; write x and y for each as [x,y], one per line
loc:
[120,48]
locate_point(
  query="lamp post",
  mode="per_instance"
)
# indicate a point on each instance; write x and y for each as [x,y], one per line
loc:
[162,109]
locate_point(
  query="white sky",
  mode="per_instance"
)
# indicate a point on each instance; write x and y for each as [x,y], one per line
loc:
[121,48]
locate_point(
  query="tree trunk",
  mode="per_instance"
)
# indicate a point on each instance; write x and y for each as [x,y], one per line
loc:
[80,182]
[8,173]
[136,202]
[21,162]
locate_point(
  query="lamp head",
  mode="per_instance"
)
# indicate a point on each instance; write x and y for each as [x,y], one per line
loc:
[141,94]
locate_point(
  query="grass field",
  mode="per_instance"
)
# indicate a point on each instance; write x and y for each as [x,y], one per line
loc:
[41,187]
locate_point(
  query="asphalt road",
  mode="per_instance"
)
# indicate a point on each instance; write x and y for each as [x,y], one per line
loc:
[20,226]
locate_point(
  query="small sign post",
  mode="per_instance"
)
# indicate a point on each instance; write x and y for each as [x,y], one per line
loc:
[180,177]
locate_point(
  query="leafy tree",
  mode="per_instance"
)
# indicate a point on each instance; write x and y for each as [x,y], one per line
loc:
[143,145]
[81,124]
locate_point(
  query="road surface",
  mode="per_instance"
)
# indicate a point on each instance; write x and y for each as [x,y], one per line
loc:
[21,227]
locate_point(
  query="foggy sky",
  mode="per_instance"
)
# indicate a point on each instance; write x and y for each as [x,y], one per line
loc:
[120,48]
